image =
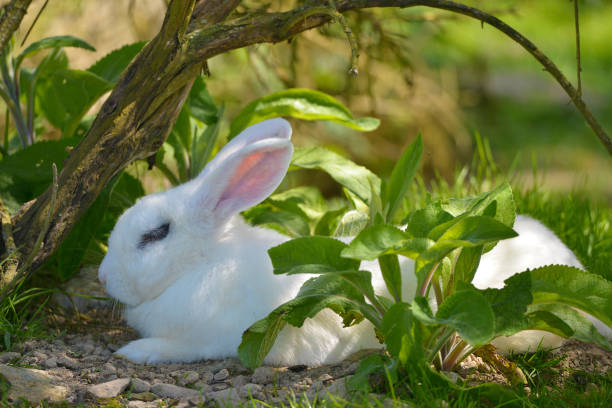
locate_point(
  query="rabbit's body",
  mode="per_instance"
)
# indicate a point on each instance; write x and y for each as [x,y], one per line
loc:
[194,276]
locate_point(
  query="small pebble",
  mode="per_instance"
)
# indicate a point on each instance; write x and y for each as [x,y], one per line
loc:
[9,356]
[139,385]
[109,389]
[263,375]
[144,396]
[221,375]
[50,363]
[220,386]
[68,362]
[173,391]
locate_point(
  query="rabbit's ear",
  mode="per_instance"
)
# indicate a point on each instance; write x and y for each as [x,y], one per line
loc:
[246,170]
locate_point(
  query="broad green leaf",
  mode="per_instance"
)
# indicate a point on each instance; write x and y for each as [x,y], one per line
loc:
[392,275]
[351,223]
[290,223]
[383,239]
[258,339]
[421,222]
[468,232]
[111,66]
[65,96]
[497,203]
[27,173]
[579,326]
[305,201]
[467,311]
[467,263]
[396,329]
[316,294]
[403,335]
[374,241]
[357,179]
[510,303]
[304,104]
[53,42]
[329,222]
[310,255]
[401,178]
[573,287]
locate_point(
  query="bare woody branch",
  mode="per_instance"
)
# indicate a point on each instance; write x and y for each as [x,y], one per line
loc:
[139,113]
[12,14]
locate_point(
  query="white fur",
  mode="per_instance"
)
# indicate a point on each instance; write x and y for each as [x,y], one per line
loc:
[192,294]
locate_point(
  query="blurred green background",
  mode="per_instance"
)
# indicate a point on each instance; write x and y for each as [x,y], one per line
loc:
[420,70]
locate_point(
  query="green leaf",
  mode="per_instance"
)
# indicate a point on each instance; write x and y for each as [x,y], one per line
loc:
[392,275]
[383,239]
[201,104]
[510,303]
[497,203]
[66,95]
[572,323]
[466,311]
[351,223]
[360,381]
[374,241]
[203,143]
[304,201]
[310,255]
[355,178]
[401,334]
[329,222]
[326,291]
[401,178]
[290,223]
[180,141]
[421,222]
[467,263]
[27,173]
[574,287]
[111,66]
[53,42]
[258,339]
[468,232]
[304,104]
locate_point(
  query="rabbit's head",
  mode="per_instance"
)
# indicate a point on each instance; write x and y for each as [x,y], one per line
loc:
[164,234]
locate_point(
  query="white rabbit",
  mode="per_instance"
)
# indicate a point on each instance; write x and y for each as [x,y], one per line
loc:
[193,275]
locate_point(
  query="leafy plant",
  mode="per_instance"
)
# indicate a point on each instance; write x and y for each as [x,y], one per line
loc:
[442,318]
[19,83]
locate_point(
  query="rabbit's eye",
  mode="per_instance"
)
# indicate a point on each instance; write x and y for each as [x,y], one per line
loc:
[156,234]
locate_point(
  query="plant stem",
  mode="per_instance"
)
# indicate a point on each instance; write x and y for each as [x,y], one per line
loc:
[453,357]
[578,65]
[425,285]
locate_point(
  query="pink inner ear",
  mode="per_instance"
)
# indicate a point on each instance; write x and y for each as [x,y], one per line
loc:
[253,180]
[245,167]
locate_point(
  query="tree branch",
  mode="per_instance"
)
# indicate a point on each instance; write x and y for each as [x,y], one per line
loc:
[207,42]
[10,20]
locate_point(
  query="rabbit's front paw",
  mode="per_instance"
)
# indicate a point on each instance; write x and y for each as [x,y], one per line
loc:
[149,350]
